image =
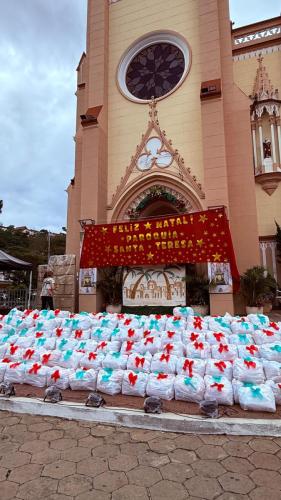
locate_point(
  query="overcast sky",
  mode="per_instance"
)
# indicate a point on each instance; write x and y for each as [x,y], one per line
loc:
[41,42]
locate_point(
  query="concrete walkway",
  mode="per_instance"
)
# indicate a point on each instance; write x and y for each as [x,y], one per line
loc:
[50,458]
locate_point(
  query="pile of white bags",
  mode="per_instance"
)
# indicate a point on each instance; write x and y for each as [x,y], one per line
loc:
[183,356]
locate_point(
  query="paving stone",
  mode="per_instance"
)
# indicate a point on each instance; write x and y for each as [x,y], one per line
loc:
[110,481]
[92,466]
[237,449]
[3,473]
[242,439]
[162,445]
[15,459]
[266,478]
[63,444]
[130,492]
[90,442]
[214,439]
[203,487]
[31,419]
[183,456]
[93,495]
[9,420]
[40,427]
[58,496]
[77,432]
[236,483]
[143,435]
[45,457]
[8,447]
[23,437]
[263,493]
[37,489]
[118,438]
[134,448]
[74,485]
[232,496]
[177,472]
[25,473]
[207,468]
[16,429]
[236,464]
[66,425]
[265,461]
[106,451]
[264,445]
[211,452]
[122,462]
[102,430]
[188,442]
[52,435]
[153,459]
[144,476]
[8,490]
[59,469]
[76,454]
[34,446]
[167,490]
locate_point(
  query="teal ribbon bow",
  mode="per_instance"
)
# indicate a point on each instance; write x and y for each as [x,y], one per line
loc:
[40,325]
[82,345]
[245,325]
[68,323]
[62,343]
[41,341]
[188,381]
[116,354]
[115,331]
[276,348]
[106,376]
[23,332]
[262,319]
[256,392]
[67,355]
[75,324]
[98,332]
[104,323]
[80,374]
[243,339]
[217,378]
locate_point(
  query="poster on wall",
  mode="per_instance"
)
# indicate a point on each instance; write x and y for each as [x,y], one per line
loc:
[87,280]
[220,277]
[154,286]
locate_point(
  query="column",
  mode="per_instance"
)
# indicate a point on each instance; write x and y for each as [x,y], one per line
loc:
[272,122]
[279,138]
[253,126]
[263,251]
[261,142]
[273,253]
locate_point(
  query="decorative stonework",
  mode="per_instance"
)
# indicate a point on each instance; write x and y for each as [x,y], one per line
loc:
[264,95]
[256,53]
[258,35]
[154,131]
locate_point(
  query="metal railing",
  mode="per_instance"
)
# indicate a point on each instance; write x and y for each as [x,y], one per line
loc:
[10,298]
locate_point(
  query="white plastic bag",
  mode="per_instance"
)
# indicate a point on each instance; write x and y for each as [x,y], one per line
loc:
[130,346]
[257,398]
[226,352]
[14,352]
[248,350]
[196,324]
[115,360]
[49,358]
[183,312]
[241,326]
[59,377]
[220,324]
[134,383]
[150,344]
[175,348]
[163,363]
[189,336]
[36,374]
[139,362]
[215,338]
[83,379]
[31,355]
[170,336]
[190,389]
[91,360]
[3,367]
[272,352]
[275,386]
[98,334]
[272,369]
[110,381]
[176,324]
[259,320]
[218,367]
[266,337]
[104,346]
[248,370]
[198,350]
[25,342]
[241,339]
[15,372]
[80,334]
[70,359]
[135,334]
[63,333]
[190,367]
[161,385]
[45,343]
[218,389]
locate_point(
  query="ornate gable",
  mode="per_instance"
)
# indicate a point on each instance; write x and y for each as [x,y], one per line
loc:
[154,154]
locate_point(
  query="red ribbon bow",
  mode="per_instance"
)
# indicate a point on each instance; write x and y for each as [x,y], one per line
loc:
[39,334]
[56,375]
[220,365]
[157,316]
[198,345]
[6,360]
[34,369]
[279,385]
[78,334]
[194,336]
[250,364]
[127,322]
[139,361]
[170,334]
[14,365]
[101,345]
[92,355]
[165,357]
[129,345]
[132,378]
[13,349]
[218,336]
[197,322]
[59,332]
[252,349]
[168,348]
[28,353]
[45,358]
[131,332]
[219,387]
[35,315]
[188,364]
[274,325]
[161,376]
[56,311]
[149,339]
[269,333]
[223,348]
[146,333]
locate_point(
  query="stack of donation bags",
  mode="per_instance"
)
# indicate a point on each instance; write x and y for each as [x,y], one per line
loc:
[229,359]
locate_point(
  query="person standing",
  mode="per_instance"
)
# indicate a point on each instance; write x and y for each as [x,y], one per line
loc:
[47,293]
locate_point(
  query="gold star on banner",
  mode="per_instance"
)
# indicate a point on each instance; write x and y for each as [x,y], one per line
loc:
[220,215]
[214,235]
[104,230]
[108,249]
[91,262]
[150,256]
[200,243]
[216,256]
[205,233]
[203,218]
[147,225]
[212,224]
[222,233]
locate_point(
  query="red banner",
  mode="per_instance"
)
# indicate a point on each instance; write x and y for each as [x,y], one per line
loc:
[191,238]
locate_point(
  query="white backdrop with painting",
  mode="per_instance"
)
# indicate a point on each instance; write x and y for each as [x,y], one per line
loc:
[87,281]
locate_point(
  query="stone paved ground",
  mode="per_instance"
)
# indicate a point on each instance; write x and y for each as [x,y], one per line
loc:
[50,458]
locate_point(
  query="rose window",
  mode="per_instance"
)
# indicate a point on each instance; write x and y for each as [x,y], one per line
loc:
[155,154]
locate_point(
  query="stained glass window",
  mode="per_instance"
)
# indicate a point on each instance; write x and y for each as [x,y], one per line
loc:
[155,71]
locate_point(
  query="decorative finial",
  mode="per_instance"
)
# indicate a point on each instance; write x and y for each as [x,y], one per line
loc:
[153,110]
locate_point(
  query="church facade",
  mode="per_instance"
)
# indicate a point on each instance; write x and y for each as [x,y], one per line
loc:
[177,112]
